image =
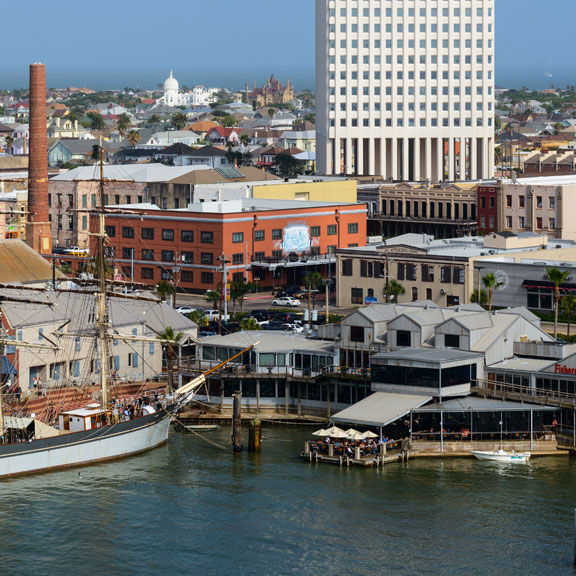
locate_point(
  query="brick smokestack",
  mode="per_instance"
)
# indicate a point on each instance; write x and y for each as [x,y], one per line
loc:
[38,233]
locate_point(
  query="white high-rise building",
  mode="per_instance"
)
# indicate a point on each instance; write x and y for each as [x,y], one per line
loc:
[405,88]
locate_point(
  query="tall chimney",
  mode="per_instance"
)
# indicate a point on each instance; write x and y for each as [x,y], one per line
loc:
[38,232]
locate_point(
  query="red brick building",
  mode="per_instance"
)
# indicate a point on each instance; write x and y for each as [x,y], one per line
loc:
[488,198]
[271,242]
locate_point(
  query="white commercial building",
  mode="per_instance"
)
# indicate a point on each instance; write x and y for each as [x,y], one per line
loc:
[405,88]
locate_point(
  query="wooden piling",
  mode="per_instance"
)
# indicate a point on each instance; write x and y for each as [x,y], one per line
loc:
[237,422]
[574,537]
[255,438]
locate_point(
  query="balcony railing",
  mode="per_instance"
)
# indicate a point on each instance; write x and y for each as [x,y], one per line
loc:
[292,258]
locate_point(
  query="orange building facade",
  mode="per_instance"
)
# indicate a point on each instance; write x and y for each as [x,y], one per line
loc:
[267,242]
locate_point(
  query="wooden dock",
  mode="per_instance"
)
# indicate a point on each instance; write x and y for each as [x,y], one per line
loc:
[347,461]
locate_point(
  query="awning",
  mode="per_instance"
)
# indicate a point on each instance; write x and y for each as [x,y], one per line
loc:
[380,409]
[476,404]
[548,285]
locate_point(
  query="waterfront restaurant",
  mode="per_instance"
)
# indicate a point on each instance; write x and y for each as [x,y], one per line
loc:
[437,372]
[284,371]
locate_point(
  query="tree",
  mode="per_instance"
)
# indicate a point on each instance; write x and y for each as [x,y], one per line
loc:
[164,289]
[9,139]
[250,323]
[133,137]
[392,290]
[228,121]
[123,124]
[568,306]
[312,279]
[179,121]
[482,300]
[154,119]
[95,152]
[558,127]
[245,140]
[288,166]
[238,291]
[491,283]
[96,121]
[170,342]
[557,277]
[271,113]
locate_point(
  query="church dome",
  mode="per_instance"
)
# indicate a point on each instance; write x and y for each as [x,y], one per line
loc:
[171,83]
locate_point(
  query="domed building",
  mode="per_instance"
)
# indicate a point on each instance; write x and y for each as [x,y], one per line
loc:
[199,96]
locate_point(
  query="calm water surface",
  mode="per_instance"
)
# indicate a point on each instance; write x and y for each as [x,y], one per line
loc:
[188,508]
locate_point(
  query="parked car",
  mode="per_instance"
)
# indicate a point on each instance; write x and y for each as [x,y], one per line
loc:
[297,328]
[212,315]
[285,301]
[206,333]
[185,310]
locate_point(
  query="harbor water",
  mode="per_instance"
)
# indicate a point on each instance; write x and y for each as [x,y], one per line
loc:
[192,508]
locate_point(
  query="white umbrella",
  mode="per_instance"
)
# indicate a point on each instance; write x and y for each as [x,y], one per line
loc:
[351,431]
[334,430]
[321,432]
[370,434]
[338,434]
[356,436]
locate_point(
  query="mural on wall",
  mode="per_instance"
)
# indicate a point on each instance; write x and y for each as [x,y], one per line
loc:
[296,239]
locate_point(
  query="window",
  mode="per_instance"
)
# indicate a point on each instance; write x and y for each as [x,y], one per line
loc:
[260,235]
[127,232]
[207,278]
[207,237]
[147,233]
[127,253]
[332,230]
[237,237]
[147,273]
[538,201]
[353,228]
[277,234]
[451,340]
[347,267]
[552,203]
[315,231]
[188,257]
[414,294]
[111,231]
[404,338]
[168,235]
[356,333]
[552,224]
[521,201]
[508,221]
[521,222]
[187,276]
[539,223]
[187,235]
[238,258]
[207,258]
[509,201]
[167,255]
[147,254]
[259,256]
[357,296]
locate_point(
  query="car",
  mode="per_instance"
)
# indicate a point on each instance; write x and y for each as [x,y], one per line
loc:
[285,301]
[296,328]
[212,315]
[206,333]
[185,310]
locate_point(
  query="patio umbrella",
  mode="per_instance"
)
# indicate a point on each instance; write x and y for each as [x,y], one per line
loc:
[370,434]
[356,436]
[321,432]
[334,430]
[351,431]
[338,434]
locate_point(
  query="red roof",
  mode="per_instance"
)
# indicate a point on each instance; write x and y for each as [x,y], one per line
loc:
[224,132]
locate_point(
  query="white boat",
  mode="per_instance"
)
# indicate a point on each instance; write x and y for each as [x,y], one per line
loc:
[501,455]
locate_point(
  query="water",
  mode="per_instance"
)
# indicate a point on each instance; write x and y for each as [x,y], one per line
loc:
[188,508]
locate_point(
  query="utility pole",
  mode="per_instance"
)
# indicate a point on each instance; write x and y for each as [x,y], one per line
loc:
[224,291]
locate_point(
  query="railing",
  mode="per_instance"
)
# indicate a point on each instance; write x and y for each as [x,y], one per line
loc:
[566,436]
[505,390]
[301,257]
[422,219]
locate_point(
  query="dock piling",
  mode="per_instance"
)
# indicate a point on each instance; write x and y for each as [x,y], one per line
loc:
[237,423]
[255,438]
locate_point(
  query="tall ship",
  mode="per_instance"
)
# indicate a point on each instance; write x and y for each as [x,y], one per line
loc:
[105,426]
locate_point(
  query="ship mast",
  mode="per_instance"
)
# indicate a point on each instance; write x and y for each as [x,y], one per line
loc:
[102,308]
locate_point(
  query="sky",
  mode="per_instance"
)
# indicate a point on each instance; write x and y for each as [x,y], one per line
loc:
[225,43]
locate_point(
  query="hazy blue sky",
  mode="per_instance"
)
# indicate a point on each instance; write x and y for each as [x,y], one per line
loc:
[114,43]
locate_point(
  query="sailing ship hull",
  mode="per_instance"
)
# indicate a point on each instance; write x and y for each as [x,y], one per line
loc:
[81,448]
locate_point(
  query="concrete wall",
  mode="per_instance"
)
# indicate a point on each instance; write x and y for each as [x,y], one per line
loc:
[335,191]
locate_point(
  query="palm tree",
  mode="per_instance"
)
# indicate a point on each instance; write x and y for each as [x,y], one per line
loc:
[238,291]
[312,279]
[96,121]
[557,277]
[170,341]
[245,140]
[491,283]
[164,289]
[393,289]
[9,139]
[133,137]
[568,306]
[249,323]
[123,124]
[179,121]
[481,298]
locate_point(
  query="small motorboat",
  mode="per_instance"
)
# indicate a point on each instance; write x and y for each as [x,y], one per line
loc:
[501,455]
